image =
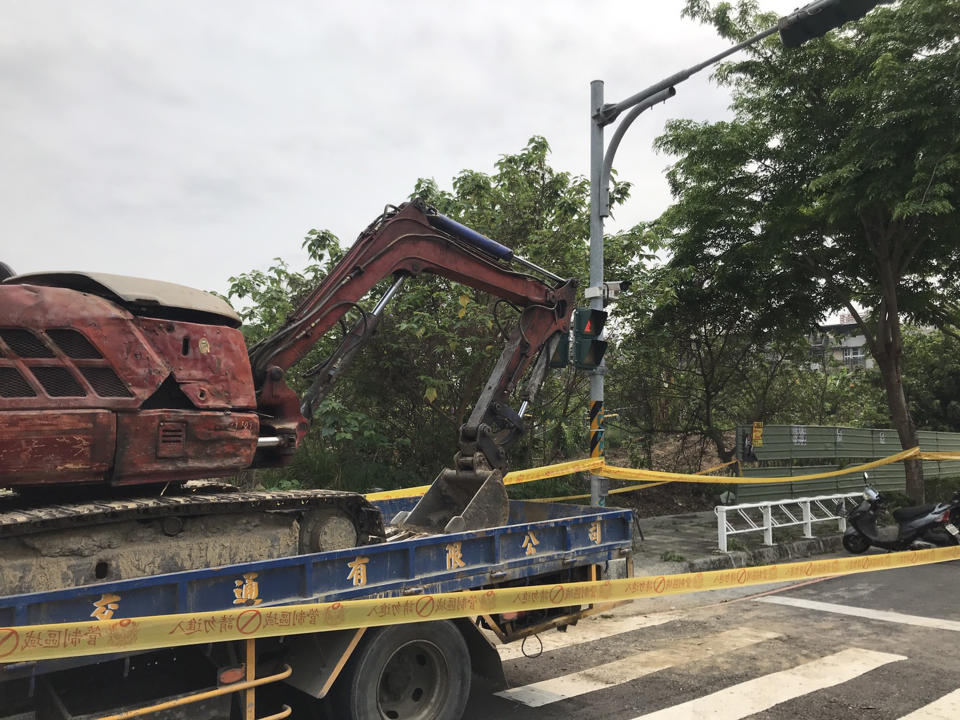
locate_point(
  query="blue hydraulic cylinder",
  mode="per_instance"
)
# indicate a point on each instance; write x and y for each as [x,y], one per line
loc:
[472,237]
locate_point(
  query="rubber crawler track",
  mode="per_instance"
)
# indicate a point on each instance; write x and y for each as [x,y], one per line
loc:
[27,520]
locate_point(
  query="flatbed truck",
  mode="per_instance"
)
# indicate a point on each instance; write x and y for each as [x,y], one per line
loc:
[420,670]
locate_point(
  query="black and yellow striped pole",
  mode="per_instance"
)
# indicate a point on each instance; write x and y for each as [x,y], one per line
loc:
[598,486]
[596,429]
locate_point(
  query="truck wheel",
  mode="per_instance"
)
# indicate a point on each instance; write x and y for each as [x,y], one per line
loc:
[419,671]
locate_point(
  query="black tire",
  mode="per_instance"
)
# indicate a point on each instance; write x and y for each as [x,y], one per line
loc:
[855,543]
[419,671]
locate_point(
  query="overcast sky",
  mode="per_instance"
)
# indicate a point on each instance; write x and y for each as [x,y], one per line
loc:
[192,141]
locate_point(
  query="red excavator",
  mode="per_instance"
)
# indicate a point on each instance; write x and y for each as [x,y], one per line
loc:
[108,382]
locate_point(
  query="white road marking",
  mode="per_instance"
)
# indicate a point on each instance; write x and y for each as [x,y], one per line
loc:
[587,630]
[946,708]
[633,667]
[762,693]
[867,613]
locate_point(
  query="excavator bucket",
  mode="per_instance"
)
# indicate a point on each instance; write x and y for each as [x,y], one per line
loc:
[459,501]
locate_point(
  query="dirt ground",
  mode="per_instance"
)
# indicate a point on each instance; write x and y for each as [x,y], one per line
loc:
[670,499]
[671,454]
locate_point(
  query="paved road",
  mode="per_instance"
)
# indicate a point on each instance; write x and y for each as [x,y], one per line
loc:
[880,645]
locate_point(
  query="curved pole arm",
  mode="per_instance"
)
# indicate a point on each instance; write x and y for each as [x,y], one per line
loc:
[611,111]
[622,128]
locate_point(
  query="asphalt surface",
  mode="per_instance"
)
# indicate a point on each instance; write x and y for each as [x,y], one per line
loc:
[878,645]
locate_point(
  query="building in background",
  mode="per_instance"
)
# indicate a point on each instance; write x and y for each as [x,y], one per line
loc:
[840,344]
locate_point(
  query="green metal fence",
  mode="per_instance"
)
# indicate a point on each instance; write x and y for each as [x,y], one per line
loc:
[789,450]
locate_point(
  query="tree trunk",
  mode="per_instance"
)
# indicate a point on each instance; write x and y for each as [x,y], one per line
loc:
[900,415]
[886,239]
[716,437]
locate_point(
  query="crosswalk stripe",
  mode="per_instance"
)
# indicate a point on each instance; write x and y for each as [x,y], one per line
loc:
[867,613]
[946,708]
[587,630]
[633,667]
[753,696]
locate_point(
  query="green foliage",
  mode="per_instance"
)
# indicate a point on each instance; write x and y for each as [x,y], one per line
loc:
[833,187]
[943,488]
[829,396]
[836,186]
[931,377]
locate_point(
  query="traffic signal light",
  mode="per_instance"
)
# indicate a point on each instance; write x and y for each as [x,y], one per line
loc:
[560,357]
[818,18]
[588,349]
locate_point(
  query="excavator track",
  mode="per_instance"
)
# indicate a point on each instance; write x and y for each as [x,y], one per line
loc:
[17,517]
[50,546]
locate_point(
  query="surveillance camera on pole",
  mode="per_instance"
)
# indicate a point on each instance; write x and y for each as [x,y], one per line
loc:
[609,291]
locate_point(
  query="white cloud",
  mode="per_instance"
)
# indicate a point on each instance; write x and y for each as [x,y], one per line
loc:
[193,141]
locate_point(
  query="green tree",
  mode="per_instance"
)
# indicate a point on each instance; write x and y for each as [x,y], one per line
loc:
[843,165]
[394,416]
[931,378]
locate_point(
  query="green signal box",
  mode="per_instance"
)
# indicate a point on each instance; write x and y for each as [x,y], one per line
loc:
[588,349]
[589,323]
[560,357]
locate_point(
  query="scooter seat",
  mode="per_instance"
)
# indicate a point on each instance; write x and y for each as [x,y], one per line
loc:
[909,513]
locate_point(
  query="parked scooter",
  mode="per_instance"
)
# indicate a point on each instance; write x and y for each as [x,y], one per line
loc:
[919,526]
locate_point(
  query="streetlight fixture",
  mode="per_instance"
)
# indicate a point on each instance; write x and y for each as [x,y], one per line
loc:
[811,21]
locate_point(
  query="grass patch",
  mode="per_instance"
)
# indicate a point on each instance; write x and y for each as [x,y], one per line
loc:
[941,489]
[735,545]
[671,556]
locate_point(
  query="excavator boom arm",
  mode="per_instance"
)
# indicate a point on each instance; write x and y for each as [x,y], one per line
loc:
[405,241]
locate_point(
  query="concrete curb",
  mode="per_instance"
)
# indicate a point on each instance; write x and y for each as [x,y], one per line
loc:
[746,558]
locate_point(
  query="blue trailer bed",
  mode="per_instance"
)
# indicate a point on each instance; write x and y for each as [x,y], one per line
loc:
[539,539]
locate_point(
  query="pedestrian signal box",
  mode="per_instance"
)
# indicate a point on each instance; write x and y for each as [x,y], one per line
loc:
[588,349]
[560,357]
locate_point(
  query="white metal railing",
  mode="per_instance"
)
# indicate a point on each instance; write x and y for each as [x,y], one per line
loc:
[765,516]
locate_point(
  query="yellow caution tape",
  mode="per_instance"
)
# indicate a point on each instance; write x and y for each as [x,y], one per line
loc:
[44,642]
[551,471]
[511,478]
[397,494]
[631,488]
[939,455]
[651,477]
[717,467]
[636,474]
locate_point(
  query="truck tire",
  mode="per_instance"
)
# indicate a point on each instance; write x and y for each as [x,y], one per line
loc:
[417,671]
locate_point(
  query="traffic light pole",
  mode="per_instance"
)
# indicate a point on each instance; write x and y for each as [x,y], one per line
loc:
[598,485]
[810,21]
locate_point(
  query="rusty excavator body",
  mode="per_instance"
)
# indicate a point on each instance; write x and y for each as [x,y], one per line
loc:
[111,387]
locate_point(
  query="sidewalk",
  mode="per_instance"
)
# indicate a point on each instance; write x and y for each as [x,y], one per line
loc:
[688,543]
